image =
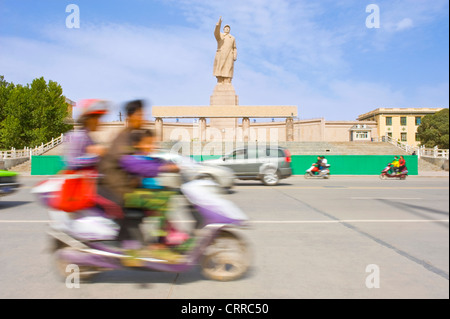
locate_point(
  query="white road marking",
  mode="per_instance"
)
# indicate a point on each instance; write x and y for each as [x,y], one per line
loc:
[349,221]
[389,198]
[281,221]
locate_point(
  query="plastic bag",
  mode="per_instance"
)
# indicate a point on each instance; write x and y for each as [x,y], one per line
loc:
[77,192]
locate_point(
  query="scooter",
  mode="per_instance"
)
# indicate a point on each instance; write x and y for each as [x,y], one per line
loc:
[323,173]
[385,173]
[87,238]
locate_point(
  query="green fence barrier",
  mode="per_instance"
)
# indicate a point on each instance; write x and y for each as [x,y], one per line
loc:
[353,164]
[340,164]
[46,164]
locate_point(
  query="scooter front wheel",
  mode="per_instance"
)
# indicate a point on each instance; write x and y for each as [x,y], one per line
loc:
[383,176]
[226,258]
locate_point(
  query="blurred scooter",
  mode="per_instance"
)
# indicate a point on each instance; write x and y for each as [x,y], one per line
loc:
[324,172]
[386,173]
[87,238]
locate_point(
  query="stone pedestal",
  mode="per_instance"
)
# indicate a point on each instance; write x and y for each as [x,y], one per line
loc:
[224,95]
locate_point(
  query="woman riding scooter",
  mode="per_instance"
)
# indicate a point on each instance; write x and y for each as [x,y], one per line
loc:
[81,152]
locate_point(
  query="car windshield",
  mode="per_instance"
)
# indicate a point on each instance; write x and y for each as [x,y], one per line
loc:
[252,153]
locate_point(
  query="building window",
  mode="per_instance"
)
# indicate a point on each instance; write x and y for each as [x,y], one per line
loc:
[389,134]
[361,135]
[404,137]
[389,120]
[418,120]
[403,121]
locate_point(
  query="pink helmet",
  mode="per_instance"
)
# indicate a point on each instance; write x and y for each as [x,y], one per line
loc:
[91,107]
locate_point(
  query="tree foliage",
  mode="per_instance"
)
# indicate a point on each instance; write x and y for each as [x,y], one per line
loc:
[31,115]
[434,130]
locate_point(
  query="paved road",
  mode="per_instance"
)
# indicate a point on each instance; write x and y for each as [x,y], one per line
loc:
[347,237]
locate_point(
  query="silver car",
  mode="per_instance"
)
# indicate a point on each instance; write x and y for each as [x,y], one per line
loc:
[269,164]
[222,176]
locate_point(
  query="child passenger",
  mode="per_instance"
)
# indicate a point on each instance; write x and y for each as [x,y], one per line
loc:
[148,195]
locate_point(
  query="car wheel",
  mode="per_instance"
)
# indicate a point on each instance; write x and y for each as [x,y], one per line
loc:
[271,177]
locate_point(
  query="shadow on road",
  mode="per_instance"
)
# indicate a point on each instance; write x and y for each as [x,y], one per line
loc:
[10,204]
[146,278]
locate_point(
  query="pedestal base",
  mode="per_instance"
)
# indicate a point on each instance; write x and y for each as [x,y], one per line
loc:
[224,95]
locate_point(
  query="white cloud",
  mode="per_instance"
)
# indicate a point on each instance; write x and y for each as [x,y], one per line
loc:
[404,24]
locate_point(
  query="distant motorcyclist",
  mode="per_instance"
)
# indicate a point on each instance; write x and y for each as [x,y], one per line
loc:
[394,165]
[402,164]
[323,162]
[317,166]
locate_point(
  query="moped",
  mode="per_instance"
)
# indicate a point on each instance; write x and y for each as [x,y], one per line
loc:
[323,173]
[386,173]
[88,238]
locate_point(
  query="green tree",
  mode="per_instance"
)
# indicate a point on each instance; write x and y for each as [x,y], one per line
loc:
[5,92]
[31,114]
[434,130]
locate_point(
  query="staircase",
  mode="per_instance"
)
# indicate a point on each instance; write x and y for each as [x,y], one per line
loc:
[296,148]
[366,148]
[299,148]
[23,169]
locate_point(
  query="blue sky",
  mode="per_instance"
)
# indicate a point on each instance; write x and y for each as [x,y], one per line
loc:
[317,55]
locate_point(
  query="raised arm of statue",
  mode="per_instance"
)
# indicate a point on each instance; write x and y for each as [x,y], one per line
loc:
[217,29]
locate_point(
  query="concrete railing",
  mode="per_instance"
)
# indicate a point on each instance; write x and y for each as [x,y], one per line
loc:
[433,152]
[420,151]
[28,152]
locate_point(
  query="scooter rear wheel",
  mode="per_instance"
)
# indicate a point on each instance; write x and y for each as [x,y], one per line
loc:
[226,258]
[64,268]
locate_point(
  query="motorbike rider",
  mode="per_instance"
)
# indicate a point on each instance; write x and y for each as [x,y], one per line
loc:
[81,152]
[148,195]
[402,164]
[323,162]
[394,165]
[317,166]
[116,180]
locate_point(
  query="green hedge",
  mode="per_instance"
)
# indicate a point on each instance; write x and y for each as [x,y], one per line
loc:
[340,164]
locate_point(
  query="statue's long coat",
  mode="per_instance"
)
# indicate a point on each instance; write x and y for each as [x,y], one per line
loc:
[225,55]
